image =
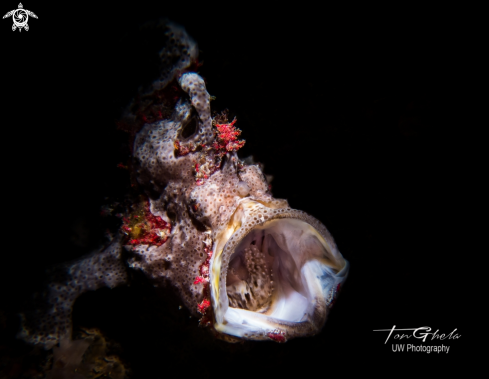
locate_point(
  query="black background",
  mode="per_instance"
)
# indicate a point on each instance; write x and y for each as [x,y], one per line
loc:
[346,108]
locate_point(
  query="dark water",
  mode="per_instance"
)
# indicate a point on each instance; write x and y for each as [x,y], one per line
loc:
[348,110]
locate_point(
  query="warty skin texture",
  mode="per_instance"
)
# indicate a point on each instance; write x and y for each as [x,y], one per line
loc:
[229,204]
[284,276]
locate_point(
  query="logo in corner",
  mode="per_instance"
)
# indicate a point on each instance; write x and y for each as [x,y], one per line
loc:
[20,17]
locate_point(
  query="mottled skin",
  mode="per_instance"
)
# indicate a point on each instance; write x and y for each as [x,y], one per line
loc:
[170,179]
[192,209]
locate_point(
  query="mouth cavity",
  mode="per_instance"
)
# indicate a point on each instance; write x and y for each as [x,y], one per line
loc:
[278,279]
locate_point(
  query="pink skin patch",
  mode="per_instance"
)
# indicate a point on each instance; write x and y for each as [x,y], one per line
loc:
[153,229]
[227,138]
[277,337]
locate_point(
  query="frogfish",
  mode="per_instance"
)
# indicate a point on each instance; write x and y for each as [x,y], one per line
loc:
[244,263]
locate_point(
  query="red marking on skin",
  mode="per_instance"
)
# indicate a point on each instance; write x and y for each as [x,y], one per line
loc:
[202,307]
[120,165]
[146,228]
[277,337]
[227,138]
[204,278]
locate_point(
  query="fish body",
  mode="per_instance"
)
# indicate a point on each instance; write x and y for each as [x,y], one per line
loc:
[245,263]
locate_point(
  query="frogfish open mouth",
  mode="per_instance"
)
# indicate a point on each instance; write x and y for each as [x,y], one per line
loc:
[249,266]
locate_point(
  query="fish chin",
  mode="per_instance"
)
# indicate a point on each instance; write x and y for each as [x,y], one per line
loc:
[274,273]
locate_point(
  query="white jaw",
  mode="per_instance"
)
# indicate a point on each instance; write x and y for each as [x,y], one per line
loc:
[274,274]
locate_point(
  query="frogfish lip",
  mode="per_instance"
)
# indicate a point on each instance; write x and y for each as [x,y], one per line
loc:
[274,273]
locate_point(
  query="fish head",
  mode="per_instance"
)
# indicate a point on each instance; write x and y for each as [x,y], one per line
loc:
[274,271]
[249,265]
